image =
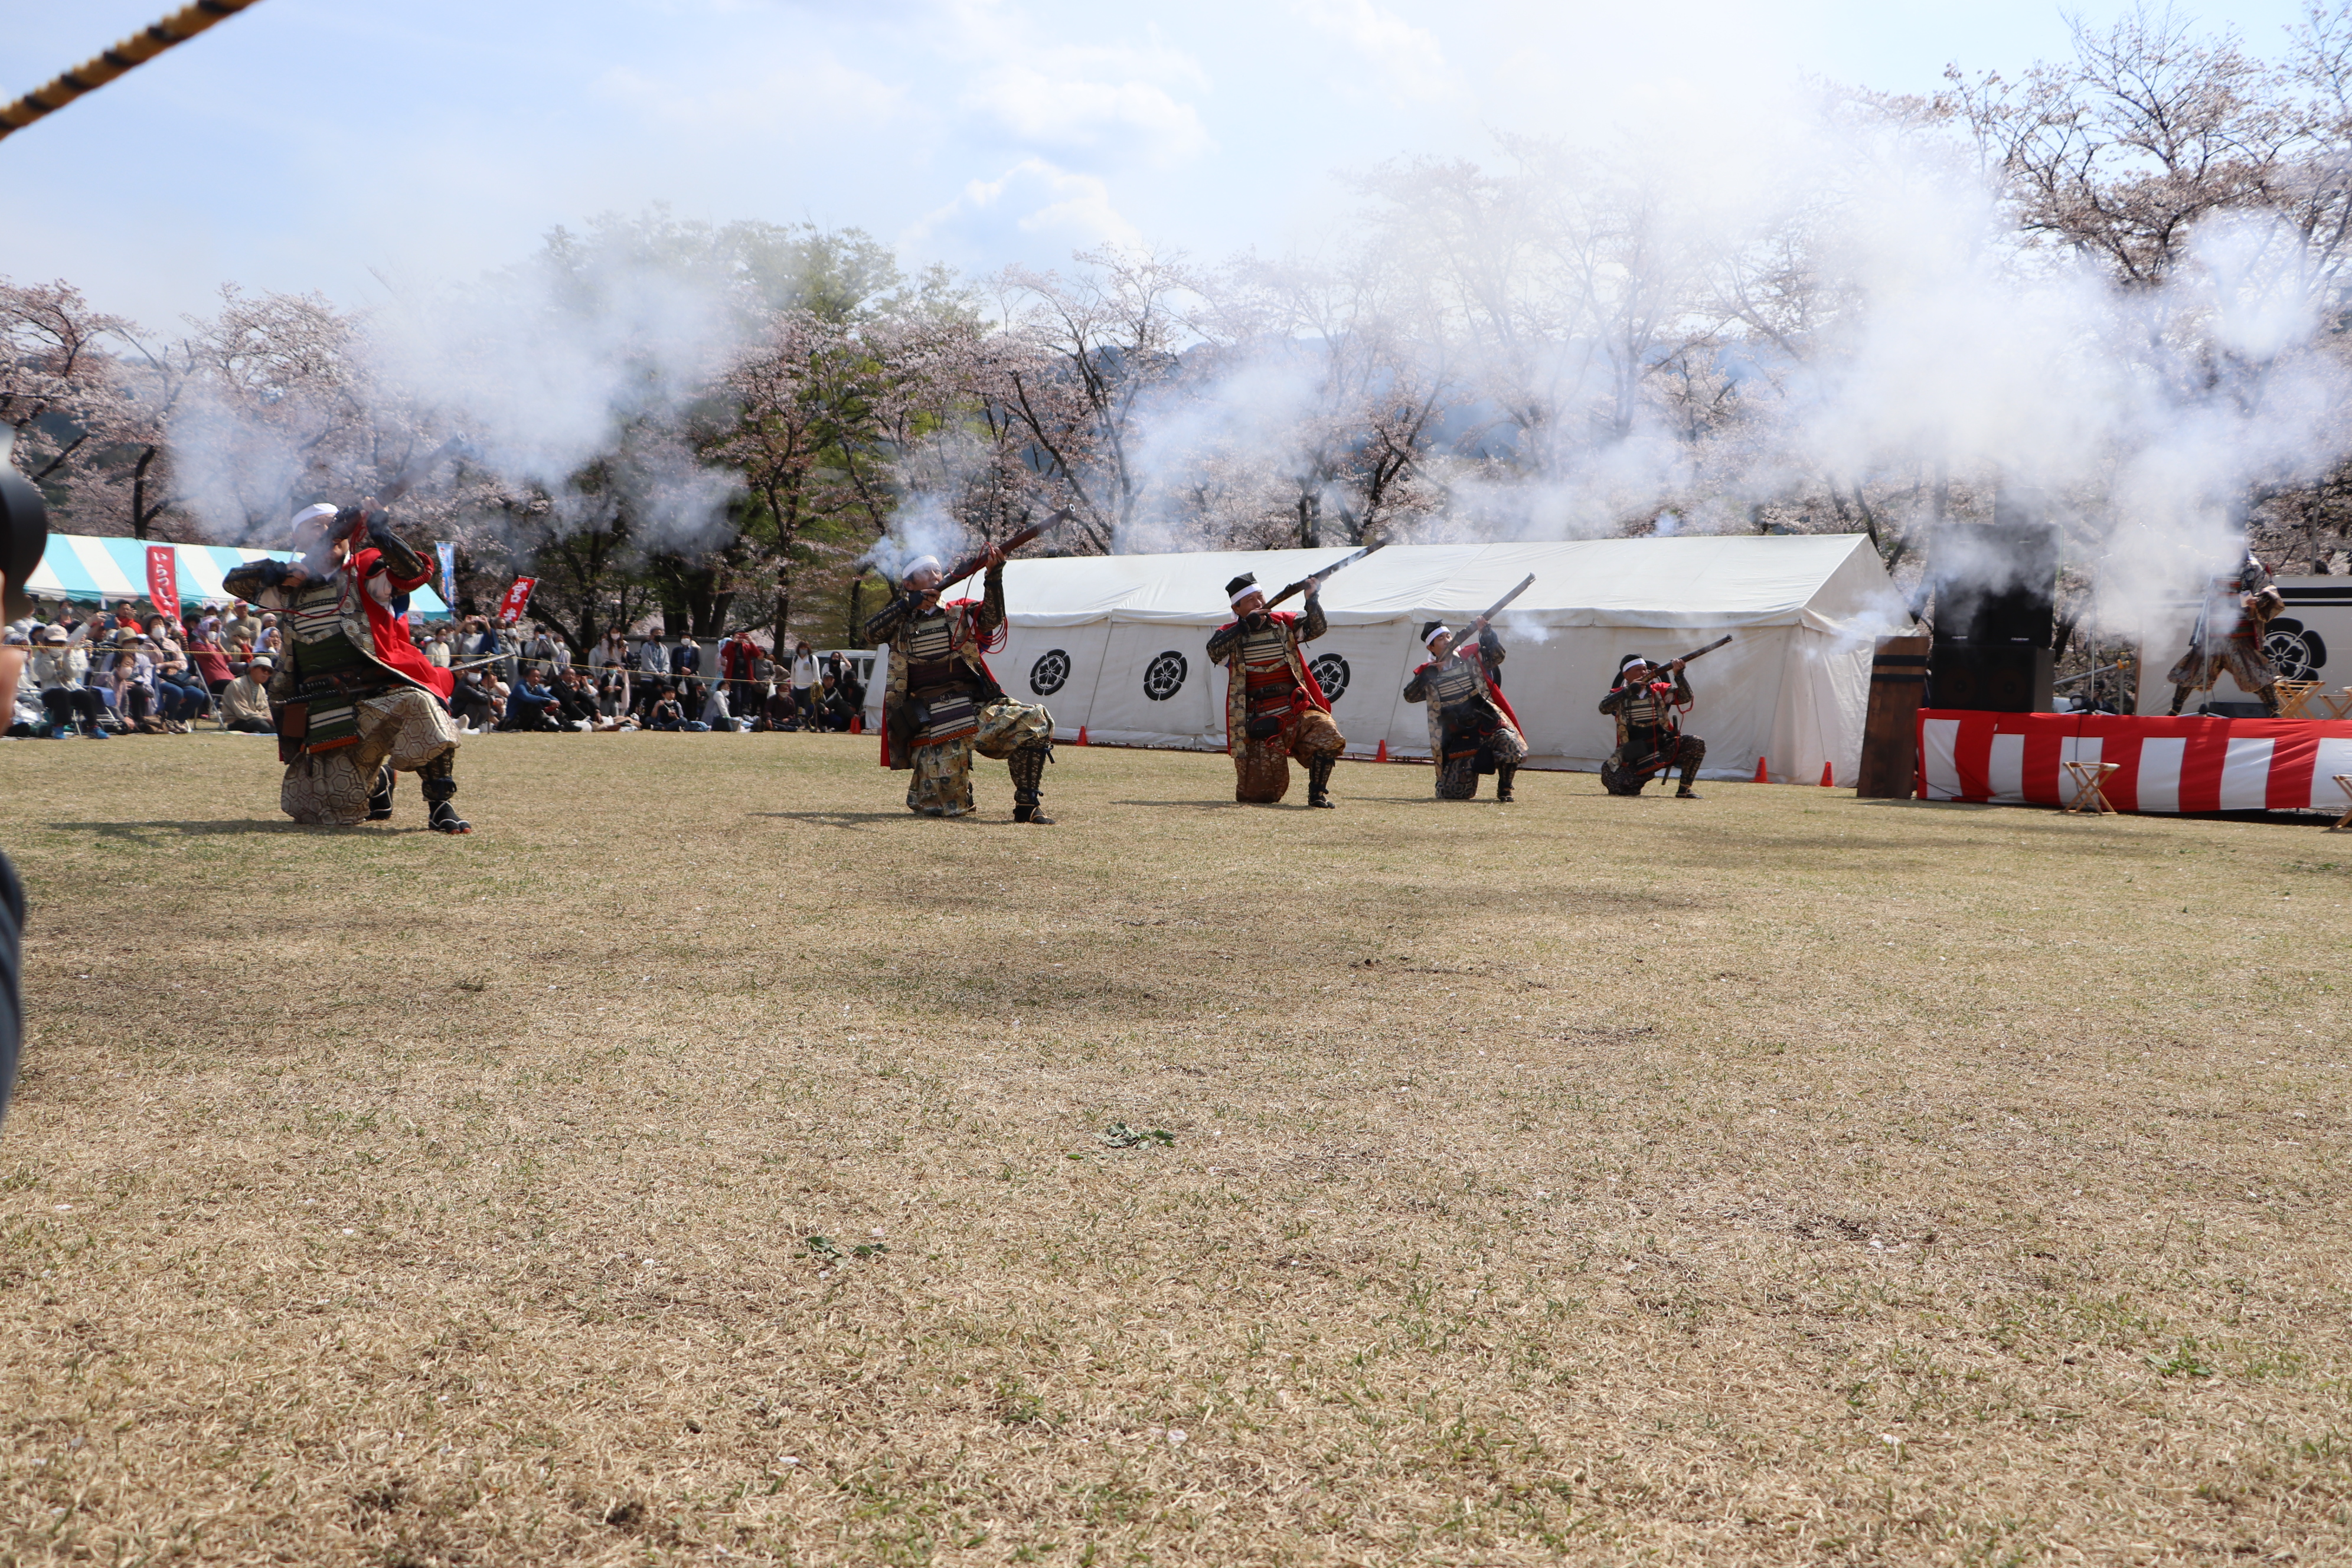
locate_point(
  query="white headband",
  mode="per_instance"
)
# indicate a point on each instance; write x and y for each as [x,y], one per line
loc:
[1241,594]
[921,563]
[1435,633]
[318,511]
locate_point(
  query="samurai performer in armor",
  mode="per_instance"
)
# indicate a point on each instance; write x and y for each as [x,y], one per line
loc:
[1648,705]
[1275,708]
[359,703]
[2242,604]
[1471,729]
[941,704]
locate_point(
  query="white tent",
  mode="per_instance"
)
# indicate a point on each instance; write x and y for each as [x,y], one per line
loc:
[1117,644]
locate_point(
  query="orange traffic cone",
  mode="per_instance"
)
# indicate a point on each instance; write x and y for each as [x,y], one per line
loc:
[1082,734]
[1828,778]
[1761,777]
[1383,754]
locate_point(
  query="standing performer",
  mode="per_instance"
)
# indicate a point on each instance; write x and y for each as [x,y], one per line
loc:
[2245,604]
[1650,739]
[1471,729]
[361,703]
[941,703]
[1274,710]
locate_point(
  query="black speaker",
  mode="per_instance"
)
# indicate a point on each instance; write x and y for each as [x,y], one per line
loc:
[1997,582]
[1989,678]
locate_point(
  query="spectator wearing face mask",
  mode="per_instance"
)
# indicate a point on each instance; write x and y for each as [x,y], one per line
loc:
[652,657]
[58,670]
[469,700]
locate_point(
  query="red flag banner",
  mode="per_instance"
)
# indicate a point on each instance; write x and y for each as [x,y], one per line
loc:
[510,608]
[163,579]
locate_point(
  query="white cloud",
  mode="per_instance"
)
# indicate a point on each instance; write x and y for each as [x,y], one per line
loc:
[1031,203]
[1410,58]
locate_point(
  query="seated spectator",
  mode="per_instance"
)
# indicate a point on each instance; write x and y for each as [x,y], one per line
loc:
[178,692]
[780,713]
[833,708]
[245,703]
[575,700]
[530,705]
[26,718]
[716,715]
[211,664]
[438,650]
[57,670]
[128,683]
[469,700]
[666,712]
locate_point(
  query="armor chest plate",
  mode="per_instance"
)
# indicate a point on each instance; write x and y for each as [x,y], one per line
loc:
[1645,709]
[1455,682]
[930,637]
[1266,651]
[319,624]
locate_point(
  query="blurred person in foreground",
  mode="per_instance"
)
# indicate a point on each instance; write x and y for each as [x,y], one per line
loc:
[24,533]
[360,703]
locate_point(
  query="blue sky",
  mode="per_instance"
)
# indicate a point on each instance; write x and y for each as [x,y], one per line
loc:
[313,145]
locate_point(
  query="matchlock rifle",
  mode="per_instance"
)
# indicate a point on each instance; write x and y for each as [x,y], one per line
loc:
[1310,584]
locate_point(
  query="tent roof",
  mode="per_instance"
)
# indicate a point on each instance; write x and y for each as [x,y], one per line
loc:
[85,568]
[1754,580]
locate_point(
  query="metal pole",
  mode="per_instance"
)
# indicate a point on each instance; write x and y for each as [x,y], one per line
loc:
[100,69]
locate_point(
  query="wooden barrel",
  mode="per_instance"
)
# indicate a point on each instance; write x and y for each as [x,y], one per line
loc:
[1890,733]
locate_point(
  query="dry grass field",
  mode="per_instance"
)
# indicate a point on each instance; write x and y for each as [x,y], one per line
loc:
[707,1162]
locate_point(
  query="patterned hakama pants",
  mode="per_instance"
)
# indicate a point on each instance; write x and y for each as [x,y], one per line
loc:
[943,783]
[405,728]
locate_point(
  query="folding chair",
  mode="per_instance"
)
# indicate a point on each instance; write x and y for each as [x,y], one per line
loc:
[2294,698]
[2088,796]
[2343,823]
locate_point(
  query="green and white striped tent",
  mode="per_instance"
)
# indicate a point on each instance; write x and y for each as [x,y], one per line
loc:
[86,569]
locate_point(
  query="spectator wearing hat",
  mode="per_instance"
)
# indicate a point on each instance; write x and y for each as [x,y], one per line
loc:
[178,692]
[245,701]
[58,669]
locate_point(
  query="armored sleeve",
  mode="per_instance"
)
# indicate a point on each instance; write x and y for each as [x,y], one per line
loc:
[1615,700]
[407,568]
[1417,688]
[1684,695]
[1221,640]
[254,578]
[883,623]
[1312,624]
[1492,647]
[992,599]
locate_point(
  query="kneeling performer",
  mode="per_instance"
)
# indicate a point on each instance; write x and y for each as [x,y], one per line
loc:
[1471,729]
[1650,739]
[359,701]
[941,703]
[1275,708]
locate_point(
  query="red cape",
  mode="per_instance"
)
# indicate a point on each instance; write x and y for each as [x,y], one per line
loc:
[394,648]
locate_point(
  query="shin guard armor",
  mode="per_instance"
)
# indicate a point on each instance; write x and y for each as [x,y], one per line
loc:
[1319,781]
[1027,765]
